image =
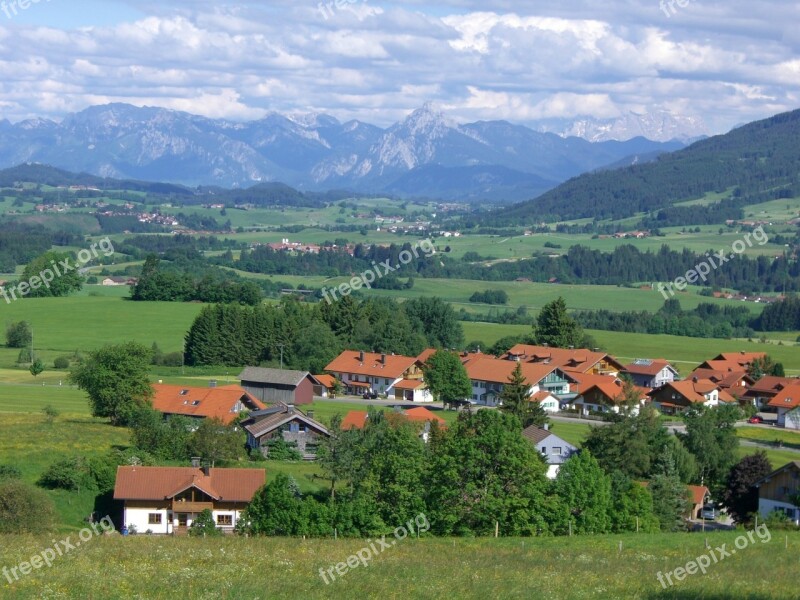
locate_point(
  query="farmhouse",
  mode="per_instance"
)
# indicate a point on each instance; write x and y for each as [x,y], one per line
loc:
[166,500]
[287,423]
[580,360]
[650,373]
[787,403]
[555,450]
[223,403]
[279,385]
[489,375]
[676,396]
[779,491]
[325,386]
[391,375]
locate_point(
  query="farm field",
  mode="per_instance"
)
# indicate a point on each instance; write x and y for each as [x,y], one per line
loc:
[536,295]
[614,566]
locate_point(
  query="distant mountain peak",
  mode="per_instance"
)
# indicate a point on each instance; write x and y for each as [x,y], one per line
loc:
[657,125]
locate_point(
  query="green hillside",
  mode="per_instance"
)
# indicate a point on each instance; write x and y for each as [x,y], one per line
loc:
[756,163]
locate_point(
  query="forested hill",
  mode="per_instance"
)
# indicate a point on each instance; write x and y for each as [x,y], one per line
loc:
[760,161]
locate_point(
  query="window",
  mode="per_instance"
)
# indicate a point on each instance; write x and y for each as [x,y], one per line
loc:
[154,519]
[556,450]
[387,381]
[544,449]
[225,520]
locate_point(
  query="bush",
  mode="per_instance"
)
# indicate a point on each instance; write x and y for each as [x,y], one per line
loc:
[19,335]
[78,472]
[280,449]
[9,472]
[25,356]
[62,362]
[24,509]
[204,526]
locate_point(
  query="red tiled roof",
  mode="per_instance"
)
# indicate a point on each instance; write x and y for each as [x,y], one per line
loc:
[694,391]
[540,395]
[725,379]
[699,493]
[771,385]
[788,397]
[580,359]
[409,384]
[742,358]
[161,483]
[495,370]
[420,413]
[355,419]
[653,368]
[426,354]
[326,380]
[350,361]
[206,402]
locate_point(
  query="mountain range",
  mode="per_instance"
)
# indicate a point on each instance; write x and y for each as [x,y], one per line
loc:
[424,155]
[751,164]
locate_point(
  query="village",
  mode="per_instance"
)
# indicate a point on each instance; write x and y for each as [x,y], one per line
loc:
[274,404]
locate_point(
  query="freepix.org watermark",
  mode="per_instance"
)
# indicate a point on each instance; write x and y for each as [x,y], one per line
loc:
[668,6]
[46,557]
[370,551]
[713,556]
[57,269]
[11,8]
[702,270]
[378,270]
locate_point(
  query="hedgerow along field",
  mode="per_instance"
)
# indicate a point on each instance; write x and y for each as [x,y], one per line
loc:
[579,567]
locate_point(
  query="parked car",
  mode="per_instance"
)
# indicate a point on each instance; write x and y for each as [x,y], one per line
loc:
[755,419]
[709,512]
[369,395]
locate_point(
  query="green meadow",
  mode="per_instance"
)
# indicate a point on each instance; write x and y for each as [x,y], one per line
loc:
[579,567]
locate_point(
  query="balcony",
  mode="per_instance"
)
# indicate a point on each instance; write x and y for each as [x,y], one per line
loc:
[191,507]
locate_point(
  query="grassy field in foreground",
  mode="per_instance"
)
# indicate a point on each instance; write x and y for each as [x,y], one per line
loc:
[613,567]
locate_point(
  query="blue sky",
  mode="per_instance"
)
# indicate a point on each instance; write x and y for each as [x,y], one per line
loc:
[722,62]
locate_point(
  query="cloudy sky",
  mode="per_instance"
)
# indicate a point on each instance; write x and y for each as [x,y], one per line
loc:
[725,62]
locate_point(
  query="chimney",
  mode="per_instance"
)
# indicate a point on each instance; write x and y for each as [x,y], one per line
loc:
[310,414]
[383,359]
[196,462]
[361,356]
[206,470]
[212,383]
[547,426]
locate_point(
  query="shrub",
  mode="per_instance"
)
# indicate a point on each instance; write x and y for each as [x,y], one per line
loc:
[24,509]
[280,449]
[9,472]
[62,362]
[25,356]
[19,335]
[204,526]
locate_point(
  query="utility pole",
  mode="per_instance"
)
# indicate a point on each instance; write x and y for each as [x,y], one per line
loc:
[281,347]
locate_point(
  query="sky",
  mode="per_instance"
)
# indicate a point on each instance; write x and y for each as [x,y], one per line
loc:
[726,63]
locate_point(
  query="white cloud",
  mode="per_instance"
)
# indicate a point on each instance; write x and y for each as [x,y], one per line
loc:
[726,63]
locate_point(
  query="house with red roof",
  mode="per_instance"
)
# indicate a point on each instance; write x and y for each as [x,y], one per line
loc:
[167,500]
[389,375]
[225,403]
[765,389]
[787,404]
[357,419]
[603,394]
[568,359]
[489,375]
[650,373]
[676,396]
[735,381]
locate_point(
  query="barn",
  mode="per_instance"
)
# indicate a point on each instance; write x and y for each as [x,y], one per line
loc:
[278,385]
